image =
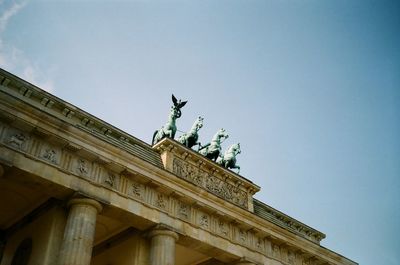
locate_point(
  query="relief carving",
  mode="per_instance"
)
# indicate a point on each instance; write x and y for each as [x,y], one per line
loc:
[50,155]
[276,252]
[268,247]
[284,254]
[183,210]
[223,228]
[259,243]
[291,257]
[290,223]
[242,236]
[161,201]
[110,180]
[318,238]
[136,189]
[17,140]
[204,221]
[210,183]
[82,167]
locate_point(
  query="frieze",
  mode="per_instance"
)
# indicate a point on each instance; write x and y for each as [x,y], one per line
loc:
[210,183]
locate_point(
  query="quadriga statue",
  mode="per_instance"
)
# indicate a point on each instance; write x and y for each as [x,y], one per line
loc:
[213,149]
[169,129]
[190,138]
[228,160]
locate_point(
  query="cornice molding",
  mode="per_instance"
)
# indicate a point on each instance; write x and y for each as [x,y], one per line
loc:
[52,105]
[268,213]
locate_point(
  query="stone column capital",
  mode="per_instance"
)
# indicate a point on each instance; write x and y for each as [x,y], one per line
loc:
[163,232]
[86,201]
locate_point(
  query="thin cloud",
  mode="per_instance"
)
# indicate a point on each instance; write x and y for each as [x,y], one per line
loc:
[9,13]
[14,59]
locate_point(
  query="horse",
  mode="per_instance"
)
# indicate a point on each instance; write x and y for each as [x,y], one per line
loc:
[190,138]
[213,149]
[228,160]
[169,129]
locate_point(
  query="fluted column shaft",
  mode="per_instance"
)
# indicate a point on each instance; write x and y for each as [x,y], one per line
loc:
[162,247]
[76,248]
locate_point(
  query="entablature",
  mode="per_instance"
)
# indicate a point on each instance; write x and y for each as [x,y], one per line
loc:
[204,173]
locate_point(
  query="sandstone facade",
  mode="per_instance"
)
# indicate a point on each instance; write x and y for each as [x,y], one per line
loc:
[76,190]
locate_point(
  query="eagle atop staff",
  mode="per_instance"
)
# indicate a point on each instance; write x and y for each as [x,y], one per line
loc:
[178,104]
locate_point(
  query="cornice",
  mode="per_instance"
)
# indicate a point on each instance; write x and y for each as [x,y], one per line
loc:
[268,213]
[52,105]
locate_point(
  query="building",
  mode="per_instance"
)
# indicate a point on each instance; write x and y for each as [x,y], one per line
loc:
[75,190]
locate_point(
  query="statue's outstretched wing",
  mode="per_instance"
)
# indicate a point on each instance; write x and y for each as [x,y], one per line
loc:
[174,100]
[181,104]
[178,103]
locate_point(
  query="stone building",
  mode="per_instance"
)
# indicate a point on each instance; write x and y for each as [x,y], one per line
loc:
[75,190]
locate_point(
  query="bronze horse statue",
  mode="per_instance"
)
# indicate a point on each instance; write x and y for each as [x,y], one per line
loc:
[190,138]
[213,149]
[228,160]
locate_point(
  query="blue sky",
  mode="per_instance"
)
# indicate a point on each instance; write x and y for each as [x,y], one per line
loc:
[311,90]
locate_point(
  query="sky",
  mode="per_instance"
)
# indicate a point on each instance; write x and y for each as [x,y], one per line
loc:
[310,89]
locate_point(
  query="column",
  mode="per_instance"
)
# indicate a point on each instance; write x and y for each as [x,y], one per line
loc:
[162,247]
[76,248]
